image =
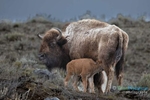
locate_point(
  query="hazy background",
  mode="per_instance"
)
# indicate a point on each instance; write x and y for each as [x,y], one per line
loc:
[67,9]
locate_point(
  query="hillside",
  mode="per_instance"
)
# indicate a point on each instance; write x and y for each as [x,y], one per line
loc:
[22,75]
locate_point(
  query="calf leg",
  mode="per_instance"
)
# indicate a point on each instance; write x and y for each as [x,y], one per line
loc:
[75,79]
[68,76]
[84,80]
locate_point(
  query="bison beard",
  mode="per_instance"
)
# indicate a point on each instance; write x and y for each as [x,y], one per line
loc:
[53,61]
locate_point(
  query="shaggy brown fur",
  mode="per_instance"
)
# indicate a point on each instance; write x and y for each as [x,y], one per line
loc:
[86,69]
[52,53]
[87,39]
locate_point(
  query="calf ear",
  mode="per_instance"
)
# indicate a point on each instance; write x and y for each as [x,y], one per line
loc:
[61,41]
[99,62]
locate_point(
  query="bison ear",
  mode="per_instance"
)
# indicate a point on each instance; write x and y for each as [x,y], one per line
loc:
[61,41]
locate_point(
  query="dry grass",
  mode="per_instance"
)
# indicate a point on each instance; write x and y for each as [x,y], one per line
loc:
[13,36]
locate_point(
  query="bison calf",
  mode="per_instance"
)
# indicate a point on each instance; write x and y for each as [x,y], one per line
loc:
[86,69]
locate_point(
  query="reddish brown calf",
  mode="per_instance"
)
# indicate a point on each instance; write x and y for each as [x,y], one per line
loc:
[86,68]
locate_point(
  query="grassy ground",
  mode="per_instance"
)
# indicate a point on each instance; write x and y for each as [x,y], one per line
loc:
[19,47]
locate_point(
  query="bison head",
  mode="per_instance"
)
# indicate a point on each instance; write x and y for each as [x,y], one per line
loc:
[52,52]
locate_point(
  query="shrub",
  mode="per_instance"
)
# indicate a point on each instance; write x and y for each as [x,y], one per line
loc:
[5,26]
[38,19]
[14,36]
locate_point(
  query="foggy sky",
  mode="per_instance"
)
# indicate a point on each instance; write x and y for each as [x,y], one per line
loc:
[66,9]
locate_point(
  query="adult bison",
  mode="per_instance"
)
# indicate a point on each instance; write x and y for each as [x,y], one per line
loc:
[87,38]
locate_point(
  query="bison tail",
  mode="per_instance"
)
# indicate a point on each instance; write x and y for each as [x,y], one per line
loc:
[121,56]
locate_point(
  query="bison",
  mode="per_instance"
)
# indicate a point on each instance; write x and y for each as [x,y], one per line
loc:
[85,68]
[87,38]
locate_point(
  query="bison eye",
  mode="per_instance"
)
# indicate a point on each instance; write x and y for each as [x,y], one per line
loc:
[41,56]
[53,44]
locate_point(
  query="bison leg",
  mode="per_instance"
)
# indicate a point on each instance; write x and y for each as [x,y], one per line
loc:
[110,79]
[104,79]
[91,84]
[119,70]
[120,79]
[75,79]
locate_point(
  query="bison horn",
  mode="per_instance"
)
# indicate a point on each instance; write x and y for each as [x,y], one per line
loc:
[60,35]
[40,36]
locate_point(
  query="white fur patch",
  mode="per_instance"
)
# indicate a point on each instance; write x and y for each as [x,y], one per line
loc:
[104,30]
[90,79]
[103,86]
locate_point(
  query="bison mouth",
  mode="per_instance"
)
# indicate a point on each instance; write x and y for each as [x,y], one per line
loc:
[51,61]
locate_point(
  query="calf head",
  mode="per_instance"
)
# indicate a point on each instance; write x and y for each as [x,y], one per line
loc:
[51,51]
